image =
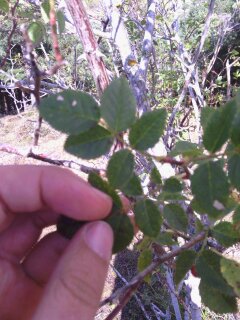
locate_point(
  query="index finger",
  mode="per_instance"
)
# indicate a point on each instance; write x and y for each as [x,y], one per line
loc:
[31,188]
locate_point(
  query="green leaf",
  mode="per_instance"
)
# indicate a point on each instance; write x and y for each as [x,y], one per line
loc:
[60,21]
[144,261]
[45,11]
[235,129]
[4,6]
[231,272]
[225,234]
[176,217]
[97,182]
[211,189]
[155,176]
[133,187]
[120,169]
[174,196]
[236,219]
[122,230]
[118,105]
[146,132]
[217,129]
[187,149]
[70,111]
[148,217]
[165,238]
[234,170]
[208,268]
[206,115]
[90,144]
[217,301]
[172,185]
[36,32]
[183,264]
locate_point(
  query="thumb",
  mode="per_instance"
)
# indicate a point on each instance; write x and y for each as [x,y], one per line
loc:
[75,289]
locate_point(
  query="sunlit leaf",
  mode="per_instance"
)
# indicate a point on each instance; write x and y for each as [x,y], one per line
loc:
[231,272]
[225,234]
[4,6]
[185,148]
[36,31]
[133,187]
[148,217]
[118,105]
[45,11]
[90,144]
[144,260]
[70,111]
[146,132]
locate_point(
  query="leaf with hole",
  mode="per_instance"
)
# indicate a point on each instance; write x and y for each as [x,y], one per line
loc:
[90,144]
[118,105]
[211,188]
[148,217]
[176,217]
[184,262]
[146,131]
[120,169]
[70,111]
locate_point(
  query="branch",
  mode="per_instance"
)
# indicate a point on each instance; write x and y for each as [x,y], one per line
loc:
[124,294]
[62,163]
[14,26]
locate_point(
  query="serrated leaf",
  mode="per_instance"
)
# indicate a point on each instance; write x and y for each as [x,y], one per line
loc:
[165,238]
[36,32]
[120,168]
[208,268]
[133,187]
[216,300]
[235,129]
[176,217]
[231,272]
[217,130]
[4,6]
[155,176]
[187,149]
[225,234]
[118,105]
[146,132]
[234,170]
[60,21]
[172,185]
[90,144]
[70,111]
[122,230]
[183,264]
[236,219]
[45,11]
[148,217]
[97,182]
[174,196]
[144,261]
[210,186]
[206,114]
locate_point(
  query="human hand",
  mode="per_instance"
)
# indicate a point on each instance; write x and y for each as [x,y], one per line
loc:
[54,278]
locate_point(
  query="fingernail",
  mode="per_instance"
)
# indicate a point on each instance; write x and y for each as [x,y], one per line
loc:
[99,237]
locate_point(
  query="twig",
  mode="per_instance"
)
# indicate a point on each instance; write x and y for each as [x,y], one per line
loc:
[53,25]
[14,26]
[62,163]
[124,294]
[135,295]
